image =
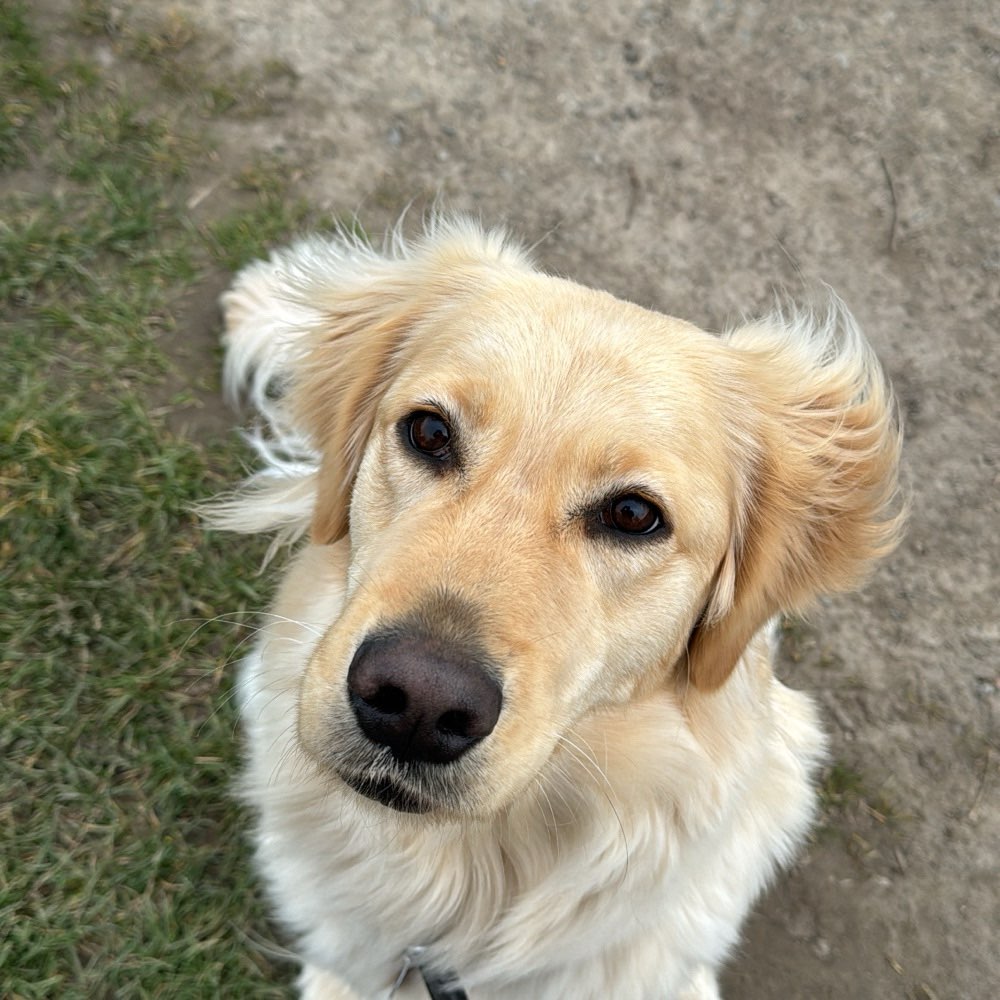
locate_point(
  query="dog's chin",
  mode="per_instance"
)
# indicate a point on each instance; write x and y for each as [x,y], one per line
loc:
[387,793]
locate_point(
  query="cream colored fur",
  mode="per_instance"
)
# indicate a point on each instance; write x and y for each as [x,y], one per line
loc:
[648,772]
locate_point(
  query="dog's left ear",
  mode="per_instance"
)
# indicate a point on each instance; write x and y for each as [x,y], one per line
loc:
[817,442]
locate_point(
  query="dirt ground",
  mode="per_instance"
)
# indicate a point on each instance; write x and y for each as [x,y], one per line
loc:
[691,157]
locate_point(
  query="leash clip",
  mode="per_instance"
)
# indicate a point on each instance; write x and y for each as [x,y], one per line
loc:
[439,987]
[411,960]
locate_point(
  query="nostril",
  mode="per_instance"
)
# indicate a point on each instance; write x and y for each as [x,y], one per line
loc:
[454,723]
[388,699]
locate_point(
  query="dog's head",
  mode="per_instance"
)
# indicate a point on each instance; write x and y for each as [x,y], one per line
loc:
[556,502]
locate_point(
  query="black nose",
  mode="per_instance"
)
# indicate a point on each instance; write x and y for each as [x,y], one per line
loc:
[420,699]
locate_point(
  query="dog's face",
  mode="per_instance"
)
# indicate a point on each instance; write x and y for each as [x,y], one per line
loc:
[545,497]
[558,502]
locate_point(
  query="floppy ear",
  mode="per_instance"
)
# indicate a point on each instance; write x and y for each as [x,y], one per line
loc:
[817,442]
[366,306]
[339,387]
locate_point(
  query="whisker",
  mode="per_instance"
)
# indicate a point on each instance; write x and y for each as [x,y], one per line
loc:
[592,767]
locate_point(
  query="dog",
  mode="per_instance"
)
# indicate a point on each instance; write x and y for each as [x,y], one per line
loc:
[512,725]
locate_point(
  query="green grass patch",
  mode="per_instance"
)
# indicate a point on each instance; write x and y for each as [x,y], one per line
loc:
[236,239]
[841,784]
[25,84]
[844,787]
[124,867]
[169,46]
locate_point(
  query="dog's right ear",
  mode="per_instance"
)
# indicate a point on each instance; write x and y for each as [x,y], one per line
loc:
[352,360]
[367,305]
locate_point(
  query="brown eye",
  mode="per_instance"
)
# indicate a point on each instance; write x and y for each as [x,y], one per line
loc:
[429,434]
[631,515]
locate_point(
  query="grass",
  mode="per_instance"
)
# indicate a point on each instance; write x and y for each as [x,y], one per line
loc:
[25,86]
[123,862]
[863,818]
[167,44]
[236,239]
[841,784]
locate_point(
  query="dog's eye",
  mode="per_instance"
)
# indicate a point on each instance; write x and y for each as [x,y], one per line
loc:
[630,514]
[429,434]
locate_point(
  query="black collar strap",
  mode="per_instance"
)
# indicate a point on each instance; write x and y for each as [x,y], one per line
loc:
[440,985]
[443,987]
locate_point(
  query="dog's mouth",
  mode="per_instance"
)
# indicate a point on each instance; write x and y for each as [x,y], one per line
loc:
[387,793]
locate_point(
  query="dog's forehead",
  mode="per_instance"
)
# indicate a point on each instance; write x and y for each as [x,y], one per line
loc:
[537,347]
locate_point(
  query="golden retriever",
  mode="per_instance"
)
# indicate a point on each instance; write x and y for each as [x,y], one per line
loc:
[513,730]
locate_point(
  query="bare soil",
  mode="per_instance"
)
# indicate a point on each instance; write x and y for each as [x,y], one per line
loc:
[691,157]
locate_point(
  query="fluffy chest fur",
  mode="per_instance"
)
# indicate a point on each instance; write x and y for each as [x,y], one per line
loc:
[631,859]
